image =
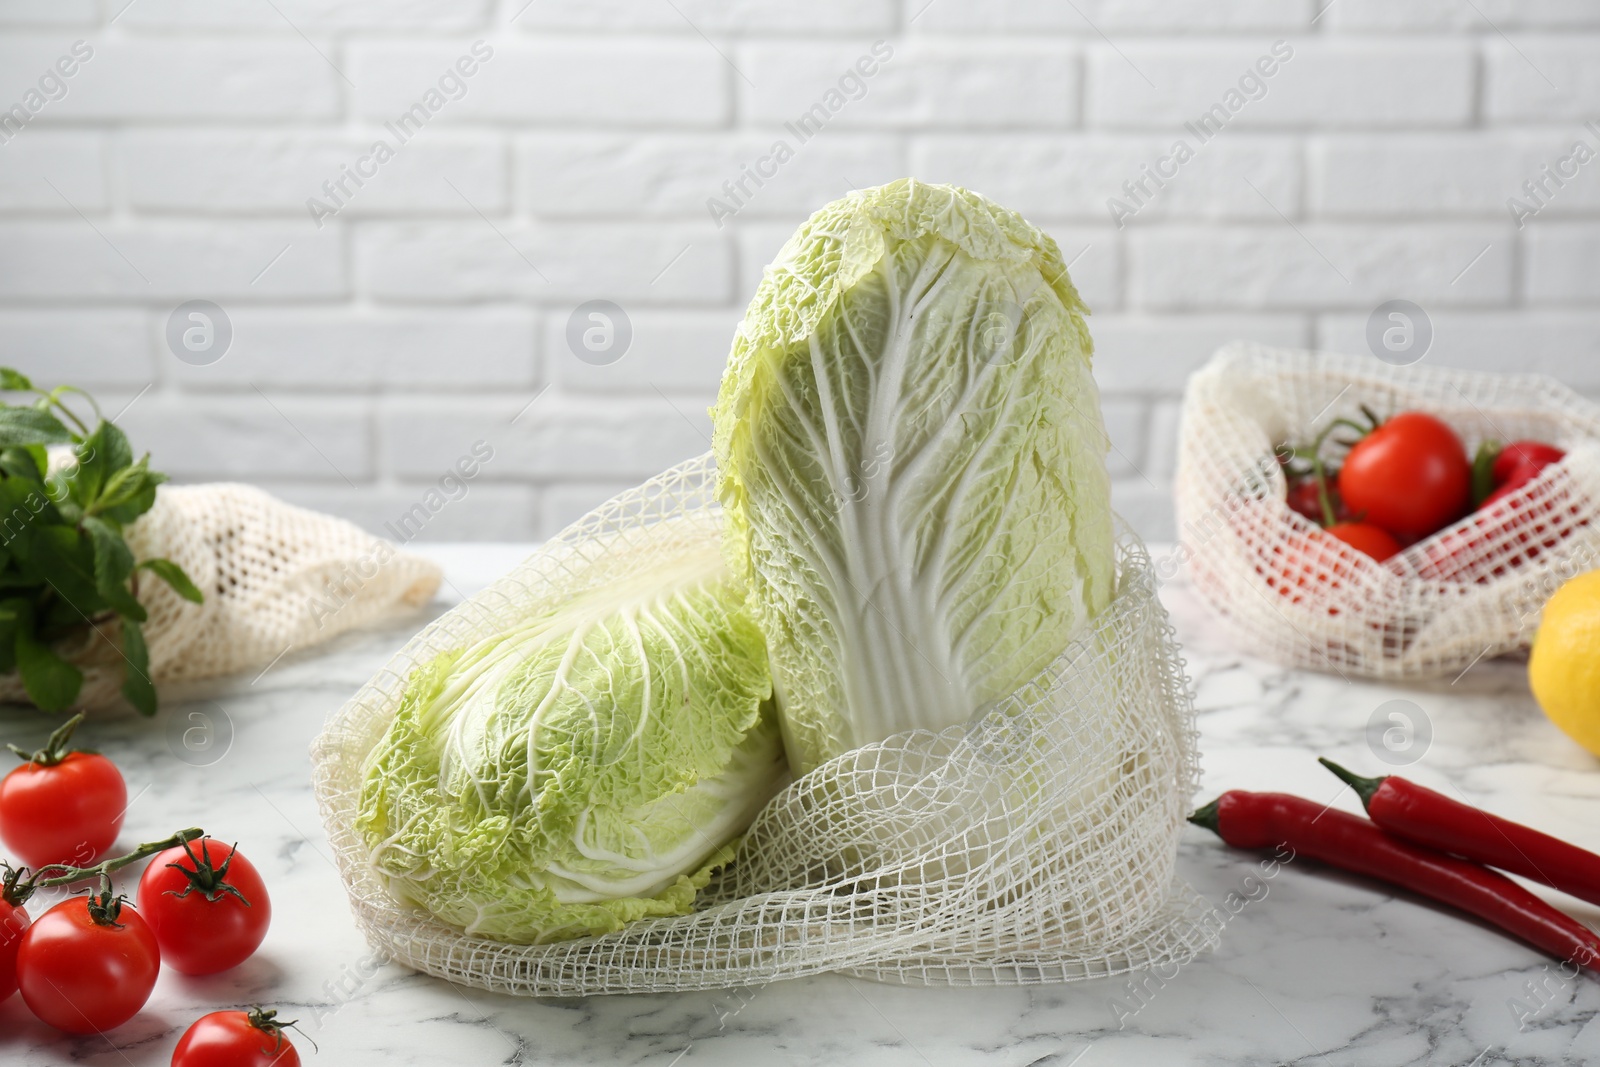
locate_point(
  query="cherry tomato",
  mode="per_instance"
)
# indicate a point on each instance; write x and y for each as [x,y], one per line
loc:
[1375,541]
[207,906]
[1301,566]
[87,965]
[62,806]
[13,924]
[1305,500]
[1410,476]
[236,1039]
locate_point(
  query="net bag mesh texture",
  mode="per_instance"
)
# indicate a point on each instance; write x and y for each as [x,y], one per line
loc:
[1289,593]
[276,579]
[1035,844]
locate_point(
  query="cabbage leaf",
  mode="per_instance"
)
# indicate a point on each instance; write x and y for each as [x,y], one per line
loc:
[911,457]
[585,769]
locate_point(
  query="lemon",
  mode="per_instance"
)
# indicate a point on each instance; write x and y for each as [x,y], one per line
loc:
[1565,667]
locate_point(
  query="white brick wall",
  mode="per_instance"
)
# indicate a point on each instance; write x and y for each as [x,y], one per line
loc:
[429,312]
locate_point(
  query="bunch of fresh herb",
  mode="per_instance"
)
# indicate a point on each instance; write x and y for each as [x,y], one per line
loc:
[64,565]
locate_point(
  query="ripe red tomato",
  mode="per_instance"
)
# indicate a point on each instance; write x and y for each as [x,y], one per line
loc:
[1410,476]
[65,811]
[13,924]
[1301,566]
[84,973]
[207,906]
[236,1039]
[1375,541]
[1305,500]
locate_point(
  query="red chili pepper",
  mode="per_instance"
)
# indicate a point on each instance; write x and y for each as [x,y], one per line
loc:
[1513,467]
[1429,818]
[1264,820]
[1535,455]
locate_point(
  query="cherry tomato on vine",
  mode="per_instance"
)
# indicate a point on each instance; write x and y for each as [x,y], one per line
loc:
[1410,476]
[206,905]
[62,806]
[88,964]
[1304,499]
[1375,541]
[13,924]
[251,1038]
[1300,566]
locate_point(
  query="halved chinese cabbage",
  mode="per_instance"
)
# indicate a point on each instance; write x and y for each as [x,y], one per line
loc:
[589,768]
[912,460]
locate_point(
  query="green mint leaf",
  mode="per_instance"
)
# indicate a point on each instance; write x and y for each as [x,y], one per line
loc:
[88,475]
[118,452]
[50,681]
[130,486]
[41,459]
[105,468]
[136,684]
[142,502]
[113,563]
[109,447]
[30,426]
[12,612]
[28,462]
[14,381]
[173,575]
[64,559]
[23,512]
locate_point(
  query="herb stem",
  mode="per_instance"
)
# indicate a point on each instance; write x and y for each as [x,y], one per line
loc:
[52,401]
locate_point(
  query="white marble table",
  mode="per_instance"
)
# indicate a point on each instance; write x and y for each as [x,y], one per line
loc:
[1317,968]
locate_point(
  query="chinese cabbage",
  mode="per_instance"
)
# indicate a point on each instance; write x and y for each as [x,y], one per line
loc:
[912,461]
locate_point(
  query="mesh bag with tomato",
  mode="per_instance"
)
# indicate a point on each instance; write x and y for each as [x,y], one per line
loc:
[1391,522]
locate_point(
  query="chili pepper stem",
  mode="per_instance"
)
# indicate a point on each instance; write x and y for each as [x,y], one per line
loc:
[1206,816]
[1483,472]
[1364,787]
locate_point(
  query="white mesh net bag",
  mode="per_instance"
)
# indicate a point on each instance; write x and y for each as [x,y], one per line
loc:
[1035,844]
[1295,595]
[276,579]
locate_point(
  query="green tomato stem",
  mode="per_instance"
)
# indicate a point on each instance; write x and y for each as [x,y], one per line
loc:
[75,874]
[55,747]
[266,1020]
[1319,469]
